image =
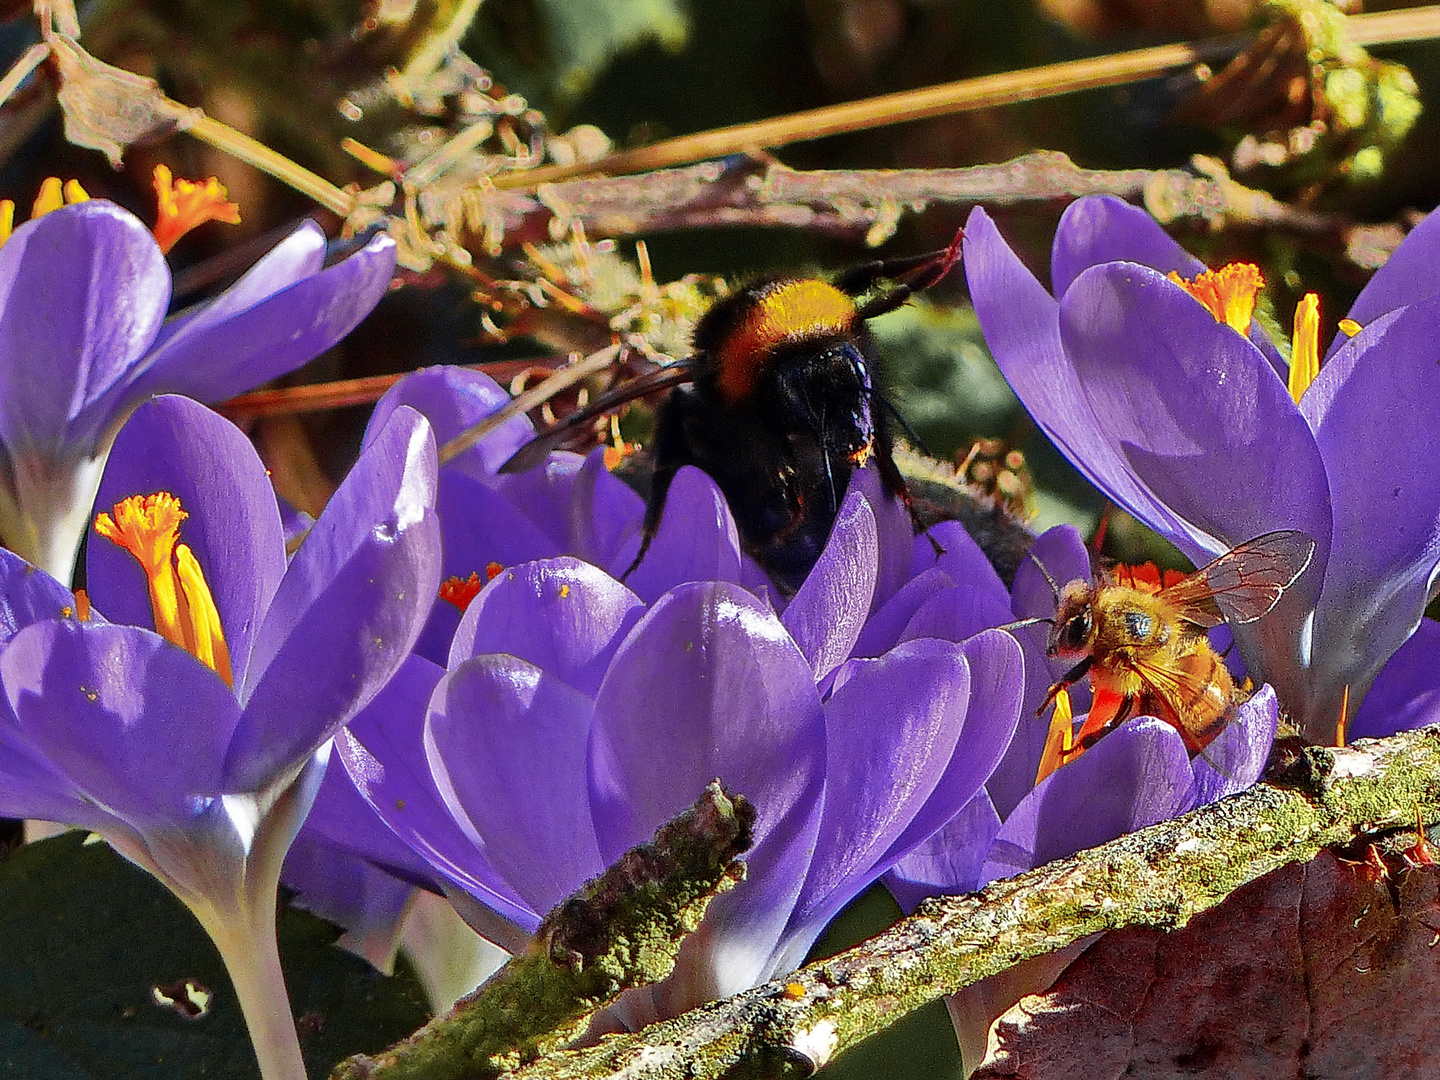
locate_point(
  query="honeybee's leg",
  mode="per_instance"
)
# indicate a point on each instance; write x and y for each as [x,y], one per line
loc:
[1069,679]
[1127,704]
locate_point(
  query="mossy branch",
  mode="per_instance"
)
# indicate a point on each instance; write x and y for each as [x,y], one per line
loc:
[1160,877]
[619,931]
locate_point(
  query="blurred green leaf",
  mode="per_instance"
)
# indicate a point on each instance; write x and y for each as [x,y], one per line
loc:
[87,938]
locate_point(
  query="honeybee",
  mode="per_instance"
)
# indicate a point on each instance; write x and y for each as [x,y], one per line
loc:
[1146,652]
[779,403]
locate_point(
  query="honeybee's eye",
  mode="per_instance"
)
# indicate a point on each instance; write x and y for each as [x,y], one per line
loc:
[1076,631]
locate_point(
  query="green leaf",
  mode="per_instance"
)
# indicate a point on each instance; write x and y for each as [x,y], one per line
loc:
[585,35]
[87,936]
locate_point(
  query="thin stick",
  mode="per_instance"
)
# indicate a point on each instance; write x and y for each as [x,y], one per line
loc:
[986,91]
[536,395]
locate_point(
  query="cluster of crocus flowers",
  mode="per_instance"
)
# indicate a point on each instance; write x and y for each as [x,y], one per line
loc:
[1185,413]
[188,719]
[84,338]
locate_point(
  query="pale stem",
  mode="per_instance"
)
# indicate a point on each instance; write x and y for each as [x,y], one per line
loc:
[248,946]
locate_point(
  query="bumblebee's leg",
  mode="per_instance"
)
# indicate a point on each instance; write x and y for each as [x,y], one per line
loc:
[916,274]
[895,484]
[1069,679]
[671,453]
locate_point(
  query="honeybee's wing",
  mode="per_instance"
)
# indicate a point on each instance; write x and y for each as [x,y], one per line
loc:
[1187,679]
[555,436]
[1244,583]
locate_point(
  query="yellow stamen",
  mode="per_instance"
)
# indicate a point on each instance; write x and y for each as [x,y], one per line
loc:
[1342,725]
[7,219]
[1058,746]
[184,204]
[203,626]
[1228,293]
[147,526]
[54,194]
[1305,346]
[1349,327]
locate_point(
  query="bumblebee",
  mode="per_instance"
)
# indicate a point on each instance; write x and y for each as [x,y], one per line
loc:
[1146,651]
[779,403]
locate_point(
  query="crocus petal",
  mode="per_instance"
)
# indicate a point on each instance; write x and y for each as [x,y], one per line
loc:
[959,556]
[1406,693]
[883,629]
[299,255]
[383,752]
[949,861]
[1237,757]
[506,743]
[600,517]
[562,615]
[1410,275]
[215,359]
[828,612]
[349,608]
[1020,321]
[139,724]
[455,399]
[31,786]
[478,527]
[894,534]
[177,445]
[1195,409]
[697,540]
[1382,383]
[997,680]
[28,595]
[711,676]
[1107,229]
[82,293]
[957,613]
[879,775]
[1137,775]
[349,892]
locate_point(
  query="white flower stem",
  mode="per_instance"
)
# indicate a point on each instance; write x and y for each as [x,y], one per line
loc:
[247,943]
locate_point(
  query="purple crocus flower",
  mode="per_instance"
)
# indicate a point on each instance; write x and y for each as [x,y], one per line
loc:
[83,296]
[1189,425]
[574,718]
[191,724]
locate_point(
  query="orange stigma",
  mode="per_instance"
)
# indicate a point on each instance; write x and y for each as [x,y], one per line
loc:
[460,591]
[1228,293]
[148,527]
[185,204]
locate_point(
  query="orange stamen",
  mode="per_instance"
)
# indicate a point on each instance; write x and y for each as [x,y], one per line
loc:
[185,204]
[1228,293]
[148,527]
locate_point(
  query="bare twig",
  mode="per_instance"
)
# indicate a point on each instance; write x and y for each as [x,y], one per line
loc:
[1159,877]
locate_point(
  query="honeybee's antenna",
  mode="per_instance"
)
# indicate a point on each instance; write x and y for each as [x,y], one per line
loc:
[1054,588]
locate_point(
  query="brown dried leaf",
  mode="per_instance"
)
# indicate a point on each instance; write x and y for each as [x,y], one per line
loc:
[107,108]
[1315,970]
